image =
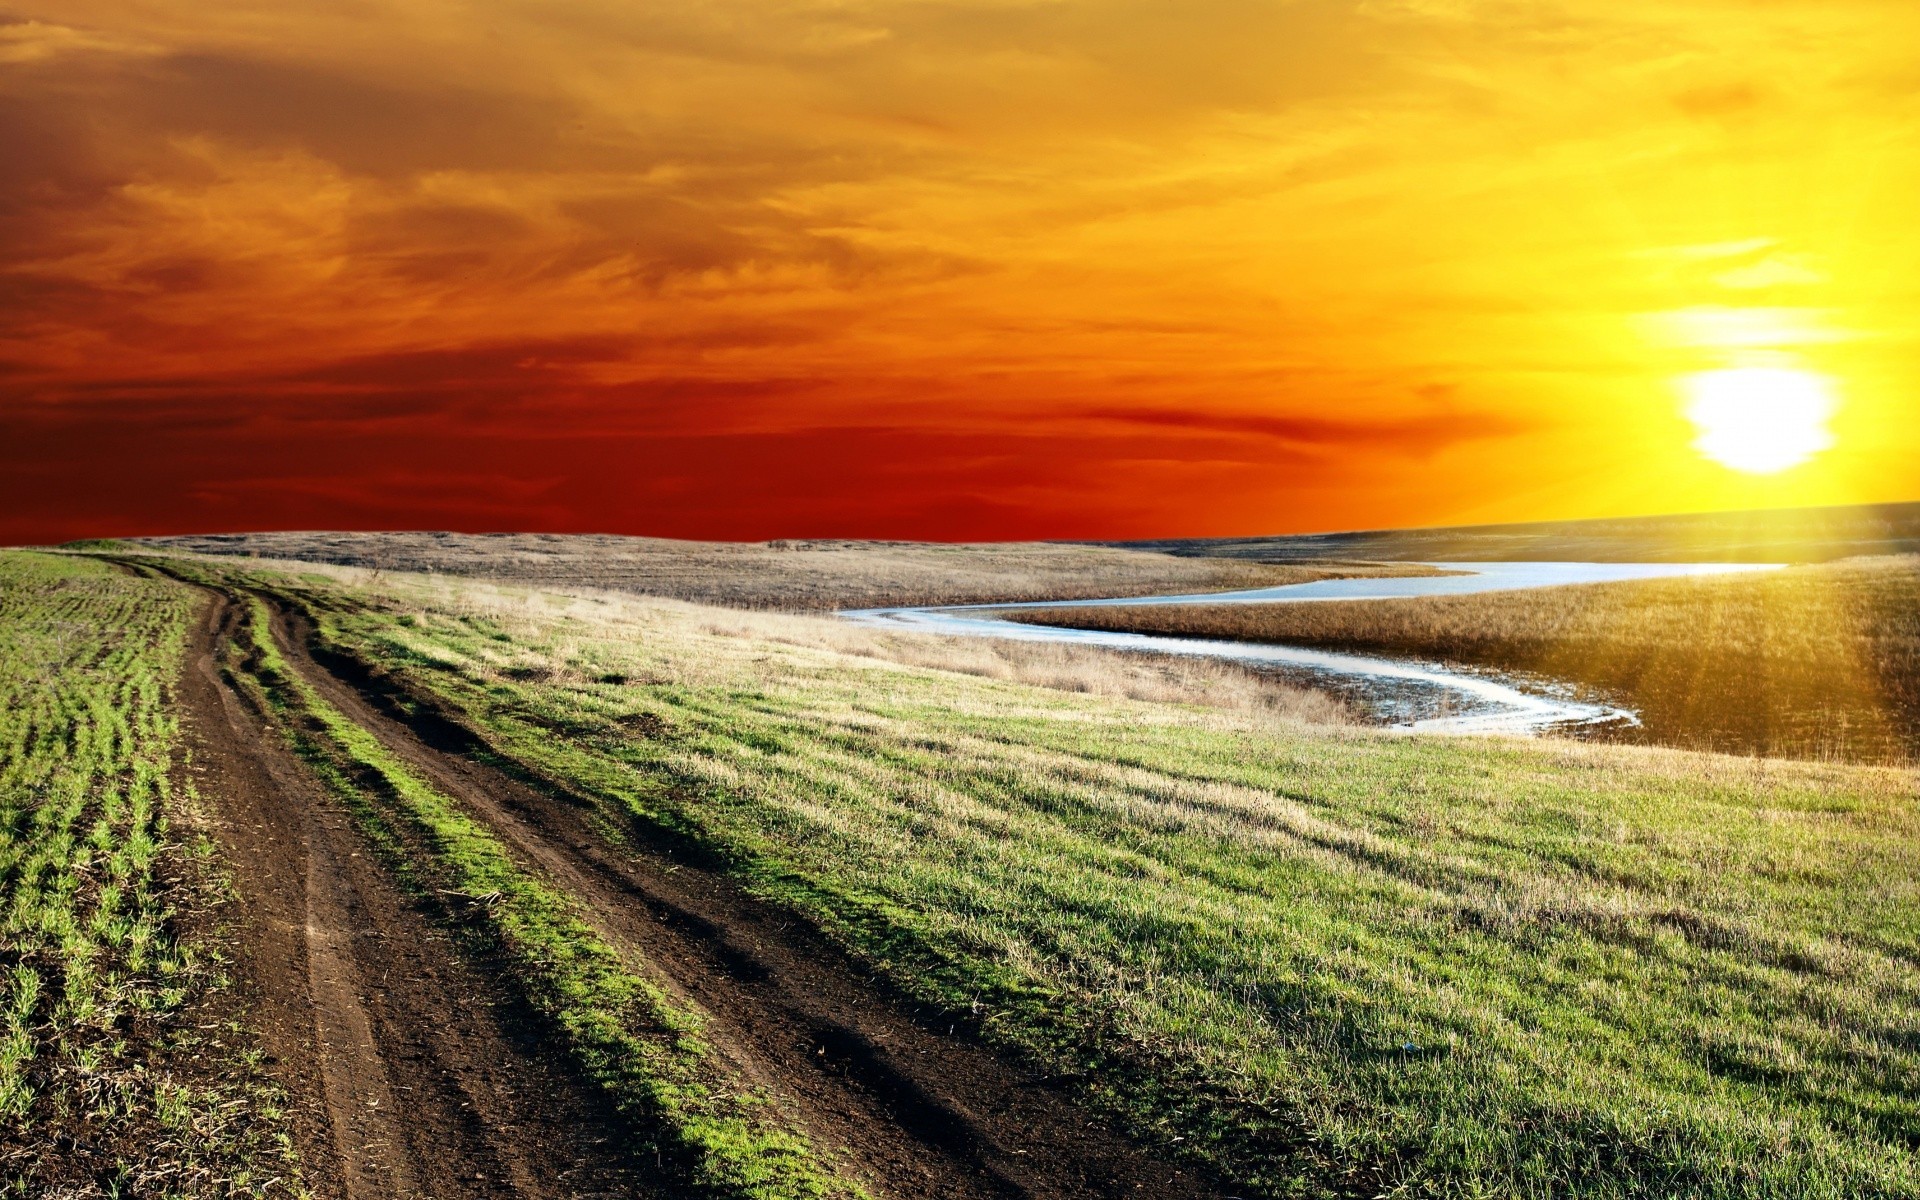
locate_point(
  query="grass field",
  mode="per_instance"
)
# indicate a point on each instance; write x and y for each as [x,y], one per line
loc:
[1321,961]
[793,575]
[122,1070]
[1814,661]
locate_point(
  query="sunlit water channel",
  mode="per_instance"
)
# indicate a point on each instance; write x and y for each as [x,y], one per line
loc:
[1402,693]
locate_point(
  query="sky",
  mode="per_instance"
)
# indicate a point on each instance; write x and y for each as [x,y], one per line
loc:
[951,269]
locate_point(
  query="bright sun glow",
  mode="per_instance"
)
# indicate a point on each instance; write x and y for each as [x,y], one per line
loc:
[1760,419]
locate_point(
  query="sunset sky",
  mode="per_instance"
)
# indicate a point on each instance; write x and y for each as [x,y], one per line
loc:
[946,268]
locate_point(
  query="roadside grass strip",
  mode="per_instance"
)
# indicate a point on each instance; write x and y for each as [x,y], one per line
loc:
[630,1037]
[1320,962]
[116,1077]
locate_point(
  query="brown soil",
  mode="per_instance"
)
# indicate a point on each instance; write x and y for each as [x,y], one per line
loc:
[910,1110]
[416,1073]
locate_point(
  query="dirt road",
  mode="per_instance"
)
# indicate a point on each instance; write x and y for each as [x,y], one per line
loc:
[420,1075]
[414,1073]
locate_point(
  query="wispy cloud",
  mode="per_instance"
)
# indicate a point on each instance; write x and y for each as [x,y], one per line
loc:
[1110,224]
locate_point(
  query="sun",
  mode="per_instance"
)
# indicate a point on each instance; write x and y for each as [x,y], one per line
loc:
[1760,419]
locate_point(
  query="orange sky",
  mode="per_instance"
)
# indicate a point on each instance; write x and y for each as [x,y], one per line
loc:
[940,268]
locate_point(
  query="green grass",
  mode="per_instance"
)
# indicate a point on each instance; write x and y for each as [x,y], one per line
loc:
[647,1051]
[119,1071]
[1321,962]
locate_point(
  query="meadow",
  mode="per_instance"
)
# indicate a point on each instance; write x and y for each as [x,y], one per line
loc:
[1313,960]
[805,575]
[123,1068]
[1815,661]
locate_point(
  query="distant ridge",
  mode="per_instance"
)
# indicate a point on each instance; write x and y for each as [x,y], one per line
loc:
[1774,535]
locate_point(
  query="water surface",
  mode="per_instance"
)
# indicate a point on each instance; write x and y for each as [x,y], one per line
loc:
[1403,693]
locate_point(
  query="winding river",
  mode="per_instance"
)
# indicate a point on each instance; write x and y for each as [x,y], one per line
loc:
[1405,694]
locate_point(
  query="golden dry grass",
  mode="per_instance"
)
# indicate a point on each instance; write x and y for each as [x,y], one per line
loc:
[1087,670]
[1776,535]
[1814,661]
[795,575]
[1091,670]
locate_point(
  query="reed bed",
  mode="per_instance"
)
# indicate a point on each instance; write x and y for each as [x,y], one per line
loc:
[1813,661]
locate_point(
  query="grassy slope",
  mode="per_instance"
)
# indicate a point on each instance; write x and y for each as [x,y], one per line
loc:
[1322,961]
[1820,661]
[117,1070]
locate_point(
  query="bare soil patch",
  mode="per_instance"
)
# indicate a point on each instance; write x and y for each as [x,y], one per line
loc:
[414,1073]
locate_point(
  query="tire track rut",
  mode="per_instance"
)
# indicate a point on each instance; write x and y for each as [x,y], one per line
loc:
[414,1074]
[909,1111]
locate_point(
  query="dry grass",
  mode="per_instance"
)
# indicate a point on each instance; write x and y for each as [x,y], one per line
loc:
[1778,535]
[1087,670]
[1090,670]
[794,575]
[1816,661]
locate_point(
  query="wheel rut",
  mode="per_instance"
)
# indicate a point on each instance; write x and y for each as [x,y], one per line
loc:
[414,1074]
[909,1110]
